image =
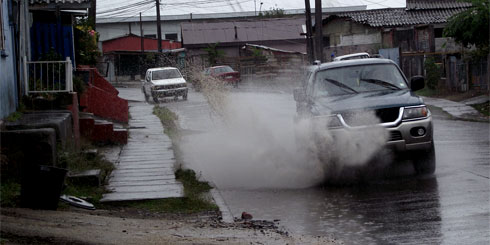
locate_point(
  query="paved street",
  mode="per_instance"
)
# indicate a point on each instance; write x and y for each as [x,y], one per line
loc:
[266,179]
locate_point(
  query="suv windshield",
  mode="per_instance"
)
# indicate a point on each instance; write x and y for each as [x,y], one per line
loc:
[358,79]
[165,74]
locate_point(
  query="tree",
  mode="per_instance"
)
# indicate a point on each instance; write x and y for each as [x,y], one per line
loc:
[213,53]
[273,13]
[470,27]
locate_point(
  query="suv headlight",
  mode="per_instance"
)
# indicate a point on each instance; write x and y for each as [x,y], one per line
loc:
[415,112]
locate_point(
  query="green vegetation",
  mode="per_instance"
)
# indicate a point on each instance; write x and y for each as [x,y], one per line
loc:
[17,114]
[76,160]
[168,119]
[80,160]
[14,116]
[194,190]
[273,13]
[9,193]
[427,92]
[213,53]
[483,108]
[470,27]
[433,73]
[193,202]
[86,38]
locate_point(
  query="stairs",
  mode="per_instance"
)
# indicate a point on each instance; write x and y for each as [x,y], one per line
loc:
[101,131]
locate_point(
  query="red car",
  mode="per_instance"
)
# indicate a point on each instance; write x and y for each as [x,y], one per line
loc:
[225,73]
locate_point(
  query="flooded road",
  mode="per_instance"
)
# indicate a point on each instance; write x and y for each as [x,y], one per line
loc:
[450,207]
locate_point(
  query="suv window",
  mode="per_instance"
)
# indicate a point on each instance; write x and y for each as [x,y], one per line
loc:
[165,74]
[358,79]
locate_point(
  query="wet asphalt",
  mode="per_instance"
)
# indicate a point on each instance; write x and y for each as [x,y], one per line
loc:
[450,207]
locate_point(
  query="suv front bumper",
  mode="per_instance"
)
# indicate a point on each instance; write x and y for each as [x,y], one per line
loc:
[409,142]
[399,138]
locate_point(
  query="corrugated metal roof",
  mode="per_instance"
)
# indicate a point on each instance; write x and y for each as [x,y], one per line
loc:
[400,16]
[246,31]
[436,4]
[57,1]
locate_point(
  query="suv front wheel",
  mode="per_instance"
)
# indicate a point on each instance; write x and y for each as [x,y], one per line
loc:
[425,161]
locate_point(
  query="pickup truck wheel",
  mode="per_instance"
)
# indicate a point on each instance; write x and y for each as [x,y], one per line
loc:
[184,96]
[426,162]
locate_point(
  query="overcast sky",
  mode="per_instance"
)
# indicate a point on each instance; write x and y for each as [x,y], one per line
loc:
[129,8]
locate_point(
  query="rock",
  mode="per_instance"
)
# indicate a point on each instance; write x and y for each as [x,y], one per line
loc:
[246,216]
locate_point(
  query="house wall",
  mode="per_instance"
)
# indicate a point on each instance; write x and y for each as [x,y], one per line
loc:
[112,30]
[133,43]
[345,37]
[8,80]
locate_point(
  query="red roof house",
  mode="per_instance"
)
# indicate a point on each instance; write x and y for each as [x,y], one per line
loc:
[132,42]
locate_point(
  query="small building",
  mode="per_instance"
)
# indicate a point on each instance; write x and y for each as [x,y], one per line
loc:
[230,36]
[33,30]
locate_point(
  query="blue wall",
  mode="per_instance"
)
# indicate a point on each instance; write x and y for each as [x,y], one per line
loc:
[8,81]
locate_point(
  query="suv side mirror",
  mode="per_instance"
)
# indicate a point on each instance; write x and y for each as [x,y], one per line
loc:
[299,94]
[417,83]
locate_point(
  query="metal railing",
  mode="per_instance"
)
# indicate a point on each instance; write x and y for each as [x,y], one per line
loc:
[48,76]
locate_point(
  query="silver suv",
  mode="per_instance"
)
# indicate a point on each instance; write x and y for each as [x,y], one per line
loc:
[366,94]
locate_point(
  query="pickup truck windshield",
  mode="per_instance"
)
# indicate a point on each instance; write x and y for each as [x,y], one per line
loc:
[358,79]
[165,74]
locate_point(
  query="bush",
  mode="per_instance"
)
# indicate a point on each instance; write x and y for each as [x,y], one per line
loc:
[433,73]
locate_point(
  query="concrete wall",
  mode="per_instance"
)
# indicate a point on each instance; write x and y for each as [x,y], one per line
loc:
[8,79]
[347,37]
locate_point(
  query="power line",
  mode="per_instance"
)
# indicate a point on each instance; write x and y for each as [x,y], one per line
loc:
[135,7]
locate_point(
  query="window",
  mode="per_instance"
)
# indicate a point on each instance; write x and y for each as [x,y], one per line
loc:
[326,41]
[438,32]
[2,38]
[171,36]
[151,36]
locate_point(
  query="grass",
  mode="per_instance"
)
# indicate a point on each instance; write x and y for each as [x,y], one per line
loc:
[192,202]
[71,159]
[168,119]
[194,190]
[483,108]
[427,92]
[79,160]
[9,193]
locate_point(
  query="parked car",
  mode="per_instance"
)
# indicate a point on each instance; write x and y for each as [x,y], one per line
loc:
[224,73]
[164,82]
[354,56]
[341,91]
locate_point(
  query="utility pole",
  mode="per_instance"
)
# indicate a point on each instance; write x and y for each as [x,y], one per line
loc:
[309,33]
[91,12]
[318,31]
[159,28]
[142,37]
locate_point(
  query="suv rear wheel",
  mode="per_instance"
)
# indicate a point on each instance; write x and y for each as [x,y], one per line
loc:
[425,162]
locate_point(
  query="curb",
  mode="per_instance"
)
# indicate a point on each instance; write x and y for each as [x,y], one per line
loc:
[226,215]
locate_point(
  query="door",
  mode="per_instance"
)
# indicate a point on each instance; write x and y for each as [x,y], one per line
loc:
[392,54]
